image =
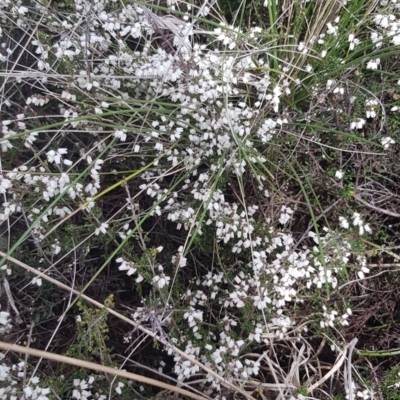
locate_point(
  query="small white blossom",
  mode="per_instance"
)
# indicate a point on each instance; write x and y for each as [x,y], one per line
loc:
[286,214]
[121,135]
[103,229]
[344,223]
[161,280]
[4,317]
[4,184]
[373,64]
[339,174]
[387,141]
[55,155]
[357,124]
[118,388]
[128,266]
[353,41]
[37,281]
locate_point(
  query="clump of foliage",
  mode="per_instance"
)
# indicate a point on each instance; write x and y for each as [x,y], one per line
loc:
[391,384]
[227,187]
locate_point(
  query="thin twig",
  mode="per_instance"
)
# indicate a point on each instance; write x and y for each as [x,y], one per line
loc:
[375,208]
[349,368]
[28,344]
[335,368]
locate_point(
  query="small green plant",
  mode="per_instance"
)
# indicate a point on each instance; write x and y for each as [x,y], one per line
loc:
[390,385]
[92,333]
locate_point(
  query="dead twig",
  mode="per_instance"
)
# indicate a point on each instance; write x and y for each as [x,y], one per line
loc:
[375,208]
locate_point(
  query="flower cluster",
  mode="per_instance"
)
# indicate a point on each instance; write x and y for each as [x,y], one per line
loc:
[82,388]
[11,376]
[329,318]
[357,221]
[129,267]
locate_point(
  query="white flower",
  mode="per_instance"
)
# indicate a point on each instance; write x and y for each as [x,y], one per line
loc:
[56,248]
[286,214]
[357,219]
[55,156]
[4,317]
[382,20]
[357,124]
[387,141]
[21,10]
[237,298]
[332,29]
[353,41]
[373,64]
[396,40]
[5,145]
[329,83]
[159,146]
[261,301]
[161,280]
[339,174]
[364,270]
[121,135]
[218,354]
[4,184]
[339,90]
[302,48]
[126,266]
[119,387]
[365,394]
[103,229]
[344,223]
[38,281]
[80,392]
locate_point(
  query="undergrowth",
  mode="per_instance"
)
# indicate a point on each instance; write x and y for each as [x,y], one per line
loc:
[203,194]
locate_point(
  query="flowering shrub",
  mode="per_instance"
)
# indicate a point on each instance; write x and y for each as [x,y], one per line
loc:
[220,179]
